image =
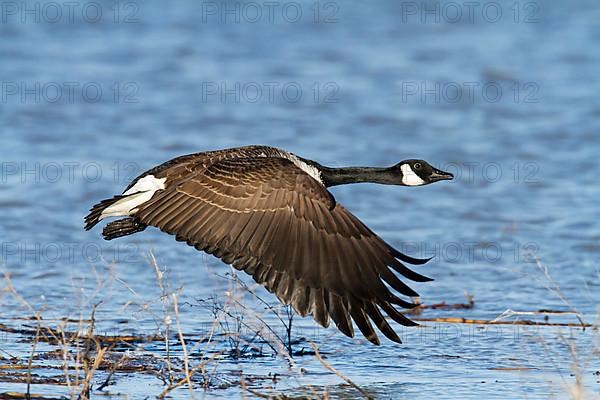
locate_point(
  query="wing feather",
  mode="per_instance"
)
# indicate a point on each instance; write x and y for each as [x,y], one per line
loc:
[357,310]
[381,323]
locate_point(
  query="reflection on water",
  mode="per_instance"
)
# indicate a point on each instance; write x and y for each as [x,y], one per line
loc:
[510,107]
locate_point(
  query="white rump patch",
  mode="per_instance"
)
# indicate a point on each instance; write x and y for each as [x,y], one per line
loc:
[409,177]
[141,192]
[147,183]
[309,169]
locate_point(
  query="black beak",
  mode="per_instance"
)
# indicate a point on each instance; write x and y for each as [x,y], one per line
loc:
[439,175]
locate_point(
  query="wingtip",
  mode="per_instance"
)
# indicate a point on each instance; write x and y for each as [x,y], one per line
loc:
[419,261]
[411,260]
[408,273]
[374,339]
[395,340]
[402,303]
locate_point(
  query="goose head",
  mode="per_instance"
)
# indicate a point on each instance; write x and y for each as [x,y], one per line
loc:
[415,172]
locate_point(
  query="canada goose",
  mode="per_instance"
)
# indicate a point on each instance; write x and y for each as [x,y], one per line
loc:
[268,212]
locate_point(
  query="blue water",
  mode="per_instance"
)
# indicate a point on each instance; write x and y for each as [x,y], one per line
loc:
[510,106]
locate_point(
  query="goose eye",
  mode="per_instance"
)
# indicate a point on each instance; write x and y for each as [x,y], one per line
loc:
[417,165]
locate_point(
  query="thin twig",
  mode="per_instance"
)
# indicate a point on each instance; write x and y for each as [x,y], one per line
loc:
[37,336]
[183,346]
[555,288]
[338,373]
[458,320]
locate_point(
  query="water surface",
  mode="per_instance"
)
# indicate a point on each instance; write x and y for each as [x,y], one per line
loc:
[378,85]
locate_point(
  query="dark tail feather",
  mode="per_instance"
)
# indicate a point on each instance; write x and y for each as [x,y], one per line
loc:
[122,227]
[94,216]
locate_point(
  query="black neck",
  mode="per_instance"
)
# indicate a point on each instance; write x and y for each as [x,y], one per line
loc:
[342,176]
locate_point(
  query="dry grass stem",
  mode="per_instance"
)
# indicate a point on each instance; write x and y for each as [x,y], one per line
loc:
[338,373]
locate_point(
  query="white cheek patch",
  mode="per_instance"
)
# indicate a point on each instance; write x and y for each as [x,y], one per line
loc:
[409,178]
[141,192]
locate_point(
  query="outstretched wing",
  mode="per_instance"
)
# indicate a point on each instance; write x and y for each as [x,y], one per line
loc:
[269,218]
